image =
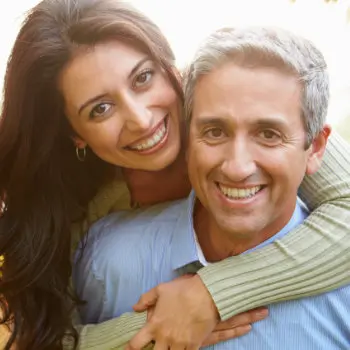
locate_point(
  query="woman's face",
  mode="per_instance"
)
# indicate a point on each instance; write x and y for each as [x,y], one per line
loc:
[123,106]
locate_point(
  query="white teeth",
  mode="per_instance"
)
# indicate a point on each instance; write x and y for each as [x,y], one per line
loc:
[239,193]
[152,141]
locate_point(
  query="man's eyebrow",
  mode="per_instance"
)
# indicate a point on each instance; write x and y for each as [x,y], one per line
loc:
[271,122]
[207,120]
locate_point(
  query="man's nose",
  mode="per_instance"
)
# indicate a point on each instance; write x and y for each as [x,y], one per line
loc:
[239,163]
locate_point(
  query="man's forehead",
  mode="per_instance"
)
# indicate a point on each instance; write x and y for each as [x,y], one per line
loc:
[229,73]
[257,96]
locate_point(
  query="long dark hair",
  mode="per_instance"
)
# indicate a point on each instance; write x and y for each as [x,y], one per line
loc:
[43,186]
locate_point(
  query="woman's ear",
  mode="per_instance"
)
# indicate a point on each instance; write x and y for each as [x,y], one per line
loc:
[78,142]
[318,148]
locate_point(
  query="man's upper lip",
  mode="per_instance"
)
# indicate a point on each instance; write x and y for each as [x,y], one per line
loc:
[147,135]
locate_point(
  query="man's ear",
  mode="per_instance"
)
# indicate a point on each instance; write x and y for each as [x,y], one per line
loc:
[318,148]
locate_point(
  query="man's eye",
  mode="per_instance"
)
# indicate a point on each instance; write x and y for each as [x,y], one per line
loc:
[100,110]
[270,136]
[143,78]
[214,133]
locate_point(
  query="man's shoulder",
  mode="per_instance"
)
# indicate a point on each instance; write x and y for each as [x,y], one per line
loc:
[116,240]
[164,213]
[123,226]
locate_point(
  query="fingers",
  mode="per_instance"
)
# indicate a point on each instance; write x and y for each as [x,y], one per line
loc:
[150,313]
[223,335]
[243,319]
[160,345]
[182,314]
[146,300]
[140,340]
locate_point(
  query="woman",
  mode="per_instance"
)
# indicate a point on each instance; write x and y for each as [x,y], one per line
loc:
[67,148]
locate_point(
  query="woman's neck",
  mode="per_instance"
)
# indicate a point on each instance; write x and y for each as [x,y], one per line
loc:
[152,187]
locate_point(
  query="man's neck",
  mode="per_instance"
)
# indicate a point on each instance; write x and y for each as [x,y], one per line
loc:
[217,244]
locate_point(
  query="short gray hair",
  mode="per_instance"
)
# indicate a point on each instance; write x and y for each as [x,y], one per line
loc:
[273,47]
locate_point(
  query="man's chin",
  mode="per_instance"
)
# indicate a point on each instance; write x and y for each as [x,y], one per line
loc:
[236,229]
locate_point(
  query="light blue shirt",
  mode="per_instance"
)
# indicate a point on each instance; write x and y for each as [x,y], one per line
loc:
[128,253]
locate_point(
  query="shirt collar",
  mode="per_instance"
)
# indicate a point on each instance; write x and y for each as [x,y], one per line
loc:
[299,215]
[185,248]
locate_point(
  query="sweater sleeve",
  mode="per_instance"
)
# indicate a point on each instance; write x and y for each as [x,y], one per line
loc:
[109,335]
[311,259]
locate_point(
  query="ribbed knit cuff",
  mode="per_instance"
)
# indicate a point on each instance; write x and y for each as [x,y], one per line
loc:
[112,334]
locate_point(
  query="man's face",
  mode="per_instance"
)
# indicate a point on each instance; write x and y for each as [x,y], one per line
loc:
[246,154]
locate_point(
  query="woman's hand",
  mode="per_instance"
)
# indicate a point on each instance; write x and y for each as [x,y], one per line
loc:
[182,315]
[235,326]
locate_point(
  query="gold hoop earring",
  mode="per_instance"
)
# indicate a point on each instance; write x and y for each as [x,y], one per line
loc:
[81,153]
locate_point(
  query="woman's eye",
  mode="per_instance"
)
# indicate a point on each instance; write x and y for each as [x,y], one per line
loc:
[143,78]
[100,110]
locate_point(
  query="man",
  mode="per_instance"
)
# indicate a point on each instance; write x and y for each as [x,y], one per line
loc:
[256,101]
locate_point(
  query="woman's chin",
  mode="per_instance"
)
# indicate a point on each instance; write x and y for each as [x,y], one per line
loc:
[159,160]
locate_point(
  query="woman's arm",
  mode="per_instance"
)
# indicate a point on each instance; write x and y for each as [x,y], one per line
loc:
[311,259]
[109,335]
